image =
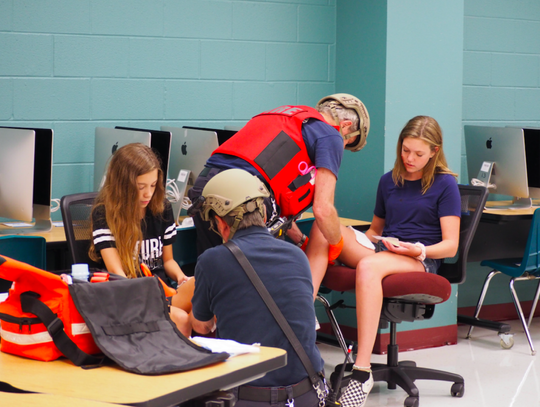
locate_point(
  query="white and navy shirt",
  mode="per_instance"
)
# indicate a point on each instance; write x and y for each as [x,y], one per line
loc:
[158,231]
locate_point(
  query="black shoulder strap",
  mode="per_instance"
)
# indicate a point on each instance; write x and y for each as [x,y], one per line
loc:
[30,303]
[274,309]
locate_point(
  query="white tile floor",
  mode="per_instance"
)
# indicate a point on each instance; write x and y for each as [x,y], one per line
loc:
[494,377]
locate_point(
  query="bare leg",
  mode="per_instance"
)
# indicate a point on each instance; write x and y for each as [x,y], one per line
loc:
[181,320]
[317,253]
[370,272]
[369,296]
[184,294]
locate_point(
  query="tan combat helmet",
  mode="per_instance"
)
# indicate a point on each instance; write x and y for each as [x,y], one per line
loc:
[340,100]
[233,192]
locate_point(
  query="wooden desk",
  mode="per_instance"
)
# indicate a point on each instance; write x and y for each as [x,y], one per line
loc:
[47,400]
[501,233]
[492,213]
[111,384]
[56,235]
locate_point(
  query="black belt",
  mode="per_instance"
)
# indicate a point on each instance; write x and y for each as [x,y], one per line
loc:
[265,393]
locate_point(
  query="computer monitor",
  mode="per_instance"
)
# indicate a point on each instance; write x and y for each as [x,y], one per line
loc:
[222,134]
[497,157]
[190,148]
[108,140]
[26,179]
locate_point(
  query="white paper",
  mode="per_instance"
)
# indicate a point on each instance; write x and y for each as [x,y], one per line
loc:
[233,348]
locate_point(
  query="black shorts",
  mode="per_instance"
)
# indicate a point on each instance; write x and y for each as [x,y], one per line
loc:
[430,265]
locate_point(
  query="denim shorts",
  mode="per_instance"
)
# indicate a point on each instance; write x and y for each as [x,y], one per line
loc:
[430,265]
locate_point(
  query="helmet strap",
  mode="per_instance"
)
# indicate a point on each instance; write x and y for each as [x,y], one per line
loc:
[251,206]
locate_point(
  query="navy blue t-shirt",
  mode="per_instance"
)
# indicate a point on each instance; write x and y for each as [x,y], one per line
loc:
[412,216]
[223,289]
[324,145]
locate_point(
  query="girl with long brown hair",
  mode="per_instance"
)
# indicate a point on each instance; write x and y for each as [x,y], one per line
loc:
[133,224]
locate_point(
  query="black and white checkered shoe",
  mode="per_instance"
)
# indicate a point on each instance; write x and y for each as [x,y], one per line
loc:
[356,393]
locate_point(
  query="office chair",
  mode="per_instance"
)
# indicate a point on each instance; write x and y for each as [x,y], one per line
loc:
[526,268]
[28,249]
[409,297]
[76,211]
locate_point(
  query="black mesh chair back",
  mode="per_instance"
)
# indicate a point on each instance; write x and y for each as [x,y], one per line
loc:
[76,211]
[473,201]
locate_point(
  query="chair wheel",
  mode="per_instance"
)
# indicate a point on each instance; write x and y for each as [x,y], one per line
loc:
[411,402]
[457,390]
[507,340]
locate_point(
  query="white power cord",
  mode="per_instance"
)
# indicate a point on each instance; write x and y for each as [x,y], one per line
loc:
[186,203]
[53,207]
[173,194]
[477,183]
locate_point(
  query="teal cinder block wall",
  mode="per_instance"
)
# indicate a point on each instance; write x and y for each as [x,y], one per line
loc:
[73,66]
[361,70]
[501,87]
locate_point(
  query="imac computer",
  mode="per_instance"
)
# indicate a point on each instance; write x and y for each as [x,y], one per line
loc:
[222,134]
[505,159]
[108,140]
[25,179]
[190,148]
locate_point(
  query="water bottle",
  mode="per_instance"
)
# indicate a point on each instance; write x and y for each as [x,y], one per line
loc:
[80,272]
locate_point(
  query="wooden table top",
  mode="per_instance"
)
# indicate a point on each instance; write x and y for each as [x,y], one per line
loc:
[112,384]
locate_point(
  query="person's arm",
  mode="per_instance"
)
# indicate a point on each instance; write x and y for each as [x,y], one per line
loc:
[112,261]
[294,233]
[447,247]
[202,327]
[323,206]
[172,269]
[376,228]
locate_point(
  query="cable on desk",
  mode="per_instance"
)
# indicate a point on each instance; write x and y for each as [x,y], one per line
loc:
[55,207]
[477,183]
[173,194]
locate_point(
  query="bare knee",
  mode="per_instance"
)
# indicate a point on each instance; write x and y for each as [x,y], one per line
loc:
[368,270]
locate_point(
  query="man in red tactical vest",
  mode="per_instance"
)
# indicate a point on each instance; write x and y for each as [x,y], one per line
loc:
[296,151]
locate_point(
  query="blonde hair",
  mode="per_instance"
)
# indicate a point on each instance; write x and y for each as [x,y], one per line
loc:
[427,129]
[119,198]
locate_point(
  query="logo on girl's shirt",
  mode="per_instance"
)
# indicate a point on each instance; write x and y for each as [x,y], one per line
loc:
[152,252]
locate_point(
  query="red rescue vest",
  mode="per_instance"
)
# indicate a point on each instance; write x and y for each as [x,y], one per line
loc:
[272,142]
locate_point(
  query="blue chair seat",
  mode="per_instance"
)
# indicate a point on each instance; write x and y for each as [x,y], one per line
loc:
[512,267]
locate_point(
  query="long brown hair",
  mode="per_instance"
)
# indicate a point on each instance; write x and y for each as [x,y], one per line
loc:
[120,199]
[427,129]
